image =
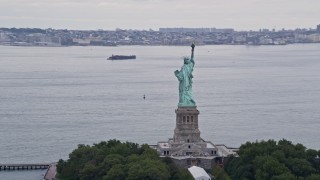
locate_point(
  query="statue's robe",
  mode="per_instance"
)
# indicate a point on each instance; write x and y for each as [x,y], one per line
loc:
[185,86]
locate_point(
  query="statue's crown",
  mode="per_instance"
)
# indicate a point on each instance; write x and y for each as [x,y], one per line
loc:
[186,58]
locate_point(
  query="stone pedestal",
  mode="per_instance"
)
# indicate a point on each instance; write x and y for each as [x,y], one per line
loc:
[186,148]
[187,129]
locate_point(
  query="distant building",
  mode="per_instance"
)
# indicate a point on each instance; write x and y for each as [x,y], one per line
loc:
[304,38]
[318,28]
[313,38]
[197,30]
[81,42]
[3,37]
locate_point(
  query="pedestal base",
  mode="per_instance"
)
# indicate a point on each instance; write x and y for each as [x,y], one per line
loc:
[187,129]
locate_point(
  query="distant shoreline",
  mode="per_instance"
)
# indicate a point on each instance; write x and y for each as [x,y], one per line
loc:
[15,45]
[163,37]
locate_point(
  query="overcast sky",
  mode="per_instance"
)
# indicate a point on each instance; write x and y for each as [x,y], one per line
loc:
[145,14]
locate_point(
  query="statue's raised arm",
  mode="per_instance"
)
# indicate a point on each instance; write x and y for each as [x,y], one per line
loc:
[185,81]
[192,53]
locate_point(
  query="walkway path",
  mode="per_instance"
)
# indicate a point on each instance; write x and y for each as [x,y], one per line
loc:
[51,172]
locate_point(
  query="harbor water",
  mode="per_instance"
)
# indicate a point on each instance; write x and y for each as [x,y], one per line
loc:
[54,98]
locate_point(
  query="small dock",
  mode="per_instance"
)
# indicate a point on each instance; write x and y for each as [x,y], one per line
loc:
[8,167]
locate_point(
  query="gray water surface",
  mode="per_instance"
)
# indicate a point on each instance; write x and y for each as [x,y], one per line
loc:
[54,98]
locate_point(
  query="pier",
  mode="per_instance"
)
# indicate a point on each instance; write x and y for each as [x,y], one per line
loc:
[9,167]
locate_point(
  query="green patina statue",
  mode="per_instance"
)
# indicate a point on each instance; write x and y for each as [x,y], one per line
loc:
[185,81]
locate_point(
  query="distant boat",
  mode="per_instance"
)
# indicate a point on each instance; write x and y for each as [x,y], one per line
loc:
[121,57]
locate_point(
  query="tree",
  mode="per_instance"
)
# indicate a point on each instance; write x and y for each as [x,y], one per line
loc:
[117,172]
[89,171]
[219,173]
[273,160]
[148,169]
[113,159]
[300,167]
[313,177]
[285,176]
[268,167]
[182,174]
[117,160]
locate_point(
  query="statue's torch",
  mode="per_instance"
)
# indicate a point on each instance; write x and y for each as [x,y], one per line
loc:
[192,46]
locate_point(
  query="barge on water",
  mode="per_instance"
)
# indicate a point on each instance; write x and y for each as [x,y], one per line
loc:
[121,57]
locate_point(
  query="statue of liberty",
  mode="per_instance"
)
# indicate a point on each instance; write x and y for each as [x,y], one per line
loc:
[185,81]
